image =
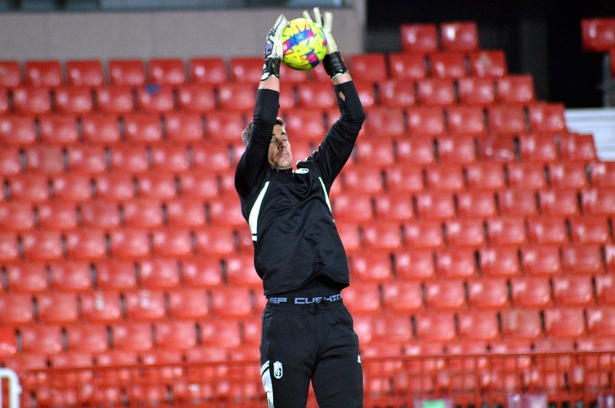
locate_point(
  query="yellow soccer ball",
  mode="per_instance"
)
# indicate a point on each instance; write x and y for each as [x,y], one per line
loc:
[305,44]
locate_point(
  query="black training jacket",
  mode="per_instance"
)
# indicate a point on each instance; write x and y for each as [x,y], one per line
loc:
[289,214]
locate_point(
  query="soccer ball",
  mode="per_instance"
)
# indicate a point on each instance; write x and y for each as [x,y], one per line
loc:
[305,44]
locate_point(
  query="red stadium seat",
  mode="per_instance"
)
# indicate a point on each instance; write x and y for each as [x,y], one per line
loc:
[223,333]
[381,236]
[515,89]
[488,63]
[183,127]
[476,204]
[466,120]
[602,174]
[435,91]
[485,176]
[142,127]
[17,130]
[294,76]
[530,291]
[576,290]
[155,98]
[100,128]
[18,309]
[185,213]
[478,325]
[231,302]
[506,119]
[159,273]
[598,201]
[499,261]
[188,303]
[115,99]
[435,205]
[10,74]
[145,305]
[426,121]
[208,70]
[246,69]
[41,339]
[506,231]
[589,230]
[17,216]
[373,153]
[352,207]
[389,207]
[414,151]
[419,38]
[597,34]
[547,230]
[129,243]
[488,293]
[86,159]
[30,188]
[564,322]
[102,306]
[526,176]
[605,289]
[464,233]
[84,73]
[446,295]
[600,321]
[368,67]
[126,72]
[240,271]
[367,94]
[71,187]
[69,276]
[366,180]
[9,250]
[558,202]
[74,99]
[541,260]
[10,162]
[517,202]
[396,93]
[26,277]
[225,211]
[459,36]
[370,266]
[58,129]
[30,100]
[414,264]
[456,149]
[520,324]
[403,179]
[445,177]
[196,98]
[168,71]
[568,175]
[202,272]
[132,336]
[175,335]
[44,159]
[435,326]
[384,123]
[57,308]
[87,338]
[86,244]
[158,185]
[423,234]
[224,126]
[476,91]
[392,328]
[116,274]
[43,73]
[448,64]
[100,214]
[315,96]
[546,117]
[169,157]
[582,259]
[237,96]
[453,263]
[407,66]
[41,245]
[305,125]
[172,242]
[401,296]
[577,147]
[497,148]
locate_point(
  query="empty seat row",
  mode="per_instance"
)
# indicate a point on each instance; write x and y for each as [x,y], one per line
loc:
[398,92]
[130,305]
[431,37]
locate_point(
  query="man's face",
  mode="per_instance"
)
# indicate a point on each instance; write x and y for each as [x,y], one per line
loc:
[280,156]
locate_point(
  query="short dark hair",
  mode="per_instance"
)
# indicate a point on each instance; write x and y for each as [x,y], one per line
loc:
[247,132]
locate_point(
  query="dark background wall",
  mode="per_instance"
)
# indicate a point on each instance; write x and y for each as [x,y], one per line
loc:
[540,37]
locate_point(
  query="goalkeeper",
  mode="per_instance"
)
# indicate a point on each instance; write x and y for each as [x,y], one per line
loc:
[307,332]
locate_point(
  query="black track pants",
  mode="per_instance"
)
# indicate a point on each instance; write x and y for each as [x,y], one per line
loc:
[314,342]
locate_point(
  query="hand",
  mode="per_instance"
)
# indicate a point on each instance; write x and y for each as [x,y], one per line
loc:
[274,47]
[325,25]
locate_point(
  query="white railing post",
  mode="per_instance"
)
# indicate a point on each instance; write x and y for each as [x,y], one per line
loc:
[14,387]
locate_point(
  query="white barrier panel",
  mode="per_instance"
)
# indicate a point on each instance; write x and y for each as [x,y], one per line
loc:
[14,387]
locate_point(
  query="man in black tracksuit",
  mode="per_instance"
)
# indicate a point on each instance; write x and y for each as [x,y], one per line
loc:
[307,332]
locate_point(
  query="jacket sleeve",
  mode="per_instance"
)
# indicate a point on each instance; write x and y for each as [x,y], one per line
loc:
[254,159]
[337,145]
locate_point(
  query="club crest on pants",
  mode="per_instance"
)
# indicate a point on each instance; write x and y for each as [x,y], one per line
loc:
[277,370]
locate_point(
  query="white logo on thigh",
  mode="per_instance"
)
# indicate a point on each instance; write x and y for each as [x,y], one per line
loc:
[277,370]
